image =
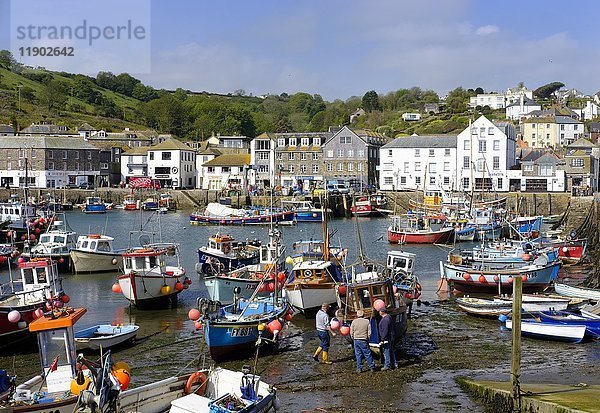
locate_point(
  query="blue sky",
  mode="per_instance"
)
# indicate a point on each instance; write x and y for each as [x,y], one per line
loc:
[340,48]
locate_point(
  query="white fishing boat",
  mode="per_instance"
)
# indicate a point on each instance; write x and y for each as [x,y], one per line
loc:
[547,331]
[153,275]
[312,284]
[579,292]
[503,305]
[104,336]
[55,243]
[96,253]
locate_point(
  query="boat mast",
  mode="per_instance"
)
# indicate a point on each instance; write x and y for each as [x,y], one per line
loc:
[324,208]
[471,168]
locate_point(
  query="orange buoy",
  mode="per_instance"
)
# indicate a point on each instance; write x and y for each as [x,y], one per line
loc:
[194,314]
[467,276]
[482,279]
[178,286]
[523,277]
[165,289]
[526,257]
[342,290]
[345,330]
[271,287]
[273,326]
[196,378]
[116,288]
[123,378]
[80,383]
[379,304]
[281,276]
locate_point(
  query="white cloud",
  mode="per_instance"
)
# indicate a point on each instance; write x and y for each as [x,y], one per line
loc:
[487,29]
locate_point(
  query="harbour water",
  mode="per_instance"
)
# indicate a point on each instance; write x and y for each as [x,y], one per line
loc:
[442,342]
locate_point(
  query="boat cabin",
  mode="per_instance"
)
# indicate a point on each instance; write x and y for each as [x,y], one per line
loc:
[223,243]
[313,271]
[362,295]
[36,276]
[298,205]
[95,243]
[56,341]
[149,258]
[16,212]
[400,262]
[432,198]
[93,200]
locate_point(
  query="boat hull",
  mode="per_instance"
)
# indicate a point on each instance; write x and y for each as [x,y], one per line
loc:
[577,292]
[212,264]
[496,307]
[89,262]
[425,237]
[309,298]
[548,331]
[144,290]
[220,288]
[94,338]
[368,211]
[469,280]
[309,216]
[94,209]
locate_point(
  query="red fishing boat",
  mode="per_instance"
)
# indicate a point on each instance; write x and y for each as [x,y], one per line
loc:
[570,251]
[370,206]
[419,229]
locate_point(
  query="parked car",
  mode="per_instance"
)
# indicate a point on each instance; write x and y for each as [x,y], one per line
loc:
[72,186]
[337,188]
[86,185]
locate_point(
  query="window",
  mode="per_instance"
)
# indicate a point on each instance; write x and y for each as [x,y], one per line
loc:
[466,145]
[50,154]
[490,131]
[89,155]
[496,145]
[64,166]
[262,156]
[32,153]
[447,152]
[226,169]
[482,146]
[547,126]
[351,153]
[330,153]
[481,131]
[304,141]
[528,168]
[480,164]
[292,141]
[303,168]
[466,162]
[262,145]
[151,155]
[499,186]
[562,127]
[50,166]
[279,156]
[9,166]
[350,167]
[403,180]
[390,152]
[545,170]
[432,180]
[359,167]
[104,165]
[263,168]
[340,167]
[329,167]
[346,139]
[77,166]
[431,153]
[574,127]
[418,180]
[21,153]
[76,154]
[388,180]
[64,154]
[496,164]
[316,141]
[446,166]
[315,156]
[281,142]
[533,125]
[473,131]
[406,166]
[417,166]
[548,137]
[291,156]
[315,169]
[417,152]
[361,153]
[340,153]
[465,183]
[577,163]
[446,180]
[166,156]
[303,156]
[433,167]
[291,169]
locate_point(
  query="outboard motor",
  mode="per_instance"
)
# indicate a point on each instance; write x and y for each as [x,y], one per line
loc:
[249,385]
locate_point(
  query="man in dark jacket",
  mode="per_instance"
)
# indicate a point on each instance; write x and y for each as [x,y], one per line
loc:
[386,337]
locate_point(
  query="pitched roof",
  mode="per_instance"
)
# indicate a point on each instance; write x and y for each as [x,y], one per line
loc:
[138,150]
[547,158]
[425,142]
[210,151]
[566,119]
[526,102]
[581,143]
[6,129]
[171,144]
[85,127]
[229,160]
[47,129]
[45,142]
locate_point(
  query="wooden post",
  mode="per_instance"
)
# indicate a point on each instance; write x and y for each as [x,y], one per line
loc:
[515,368]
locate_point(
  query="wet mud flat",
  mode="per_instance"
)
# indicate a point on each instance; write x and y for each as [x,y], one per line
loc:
[442,344]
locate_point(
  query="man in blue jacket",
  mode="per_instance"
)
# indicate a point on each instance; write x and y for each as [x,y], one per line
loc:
[386,337]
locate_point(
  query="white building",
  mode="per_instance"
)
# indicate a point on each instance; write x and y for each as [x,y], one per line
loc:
[262,159]
[485,153]
[173,164]
[226,171]
[410,117]
[500,100]
[590,111]
[418,162]
[521,108]
[206,152]
[134,163]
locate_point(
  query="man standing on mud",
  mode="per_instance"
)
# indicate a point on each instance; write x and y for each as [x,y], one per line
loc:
[360,331]
[323,329]
[386,337]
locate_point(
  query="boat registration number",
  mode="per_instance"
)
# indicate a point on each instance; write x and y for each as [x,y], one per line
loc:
[241,332]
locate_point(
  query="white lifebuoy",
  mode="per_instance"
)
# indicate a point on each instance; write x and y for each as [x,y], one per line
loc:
[175,170]
[308,273]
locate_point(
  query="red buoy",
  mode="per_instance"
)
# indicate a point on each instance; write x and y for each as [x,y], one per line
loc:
[65,298]
[194,314]
[271,287]
[178,286]
[467,276]
[523,277]
[510,279]
[116,288]
[281,276]
[496,278]
[482,279]
[379,304]
[345,330]
[342,290]
[274,325]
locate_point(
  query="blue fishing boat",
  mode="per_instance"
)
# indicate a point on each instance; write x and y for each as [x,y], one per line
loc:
[232,331]
[305,211]
[590,321]
[94,205]
[527,226]
[223,254]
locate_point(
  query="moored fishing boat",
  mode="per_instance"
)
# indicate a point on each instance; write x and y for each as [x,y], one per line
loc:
[311,284]
[94,205]
[150,203]
[130,203]
[167,202]
[104,336]
[503,305]
[55,243]
[400,267]
[223,254]
[579,292]
[218,214]
[591,323]
[536,277]
[96,253]
[149,281]
[304,211]
[419,229]
[370,206]
[40,285]
[526,226]
[570,250]
[549,331]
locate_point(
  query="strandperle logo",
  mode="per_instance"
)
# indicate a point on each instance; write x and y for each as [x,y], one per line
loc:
[88,32]
[82,36]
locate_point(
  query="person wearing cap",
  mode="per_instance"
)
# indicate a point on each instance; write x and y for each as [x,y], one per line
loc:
[386,335]
[360,331]
[323,330]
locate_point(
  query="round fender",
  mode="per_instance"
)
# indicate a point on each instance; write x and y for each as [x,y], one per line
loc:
[196,378]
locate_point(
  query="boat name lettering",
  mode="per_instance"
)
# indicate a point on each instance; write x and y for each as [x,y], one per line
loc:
[241,332]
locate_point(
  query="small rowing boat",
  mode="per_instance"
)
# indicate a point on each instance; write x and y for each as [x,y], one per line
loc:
[579,292]
[105,336]
[550,331]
